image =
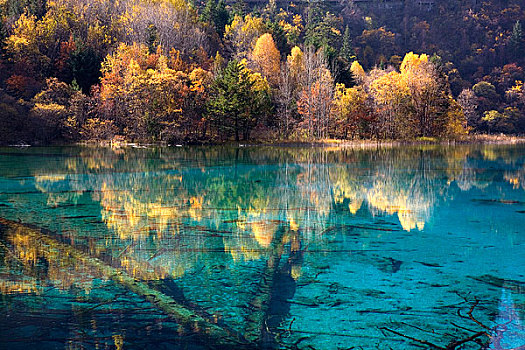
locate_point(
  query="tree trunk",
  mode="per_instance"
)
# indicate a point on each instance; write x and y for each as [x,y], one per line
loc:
[217,336]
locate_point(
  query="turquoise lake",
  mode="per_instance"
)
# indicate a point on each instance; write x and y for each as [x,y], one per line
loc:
[262,247]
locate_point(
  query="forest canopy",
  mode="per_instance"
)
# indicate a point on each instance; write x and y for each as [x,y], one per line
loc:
[218,71]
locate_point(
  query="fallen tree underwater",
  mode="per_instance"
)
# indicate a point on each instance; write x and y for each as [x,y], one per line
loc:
[257,329]
[215,335]
[257,334]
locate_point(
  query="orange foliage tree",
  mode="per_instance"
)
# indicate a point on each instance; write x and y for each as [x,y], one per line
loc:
[146,97]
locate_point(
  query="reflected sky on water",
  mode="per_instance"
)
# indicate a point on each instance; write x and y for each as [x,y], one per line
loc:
[285,247]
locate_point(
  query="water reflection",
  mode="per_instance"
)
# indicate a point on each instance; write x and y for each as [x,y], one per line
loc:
[207,223]
[137,197]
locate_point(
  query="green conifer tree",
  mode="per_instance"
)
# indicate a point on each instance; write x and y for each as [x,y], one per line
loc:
[221,18]
[346,48]
[516,40]
[230,105]
[208,13]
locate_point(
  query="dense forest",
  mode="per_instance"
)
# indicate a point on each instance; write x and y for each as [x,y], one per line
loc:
[182,71]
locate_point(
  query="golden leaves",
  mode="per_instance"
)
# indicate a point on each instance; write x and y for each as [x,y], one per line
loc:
[267,58]
[242,33]
[357,71]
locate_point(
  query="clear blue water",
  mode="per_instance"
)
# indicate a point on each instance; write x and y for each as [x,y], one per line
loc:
[294,248]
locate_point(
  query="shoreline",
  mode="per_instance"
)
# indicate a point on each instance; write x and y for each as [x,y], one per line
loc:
[474,139]
[368,143]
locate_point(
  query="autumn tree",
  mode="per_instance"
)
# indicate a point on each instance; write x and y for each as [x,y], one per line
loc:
[175,22]
[390,96]
[292,25]
[288,90]
[51,111]
[67,42]
[469,103]
[428,94]
[23,46]
[146,94]
[514,112]
[504,78]
[516,93]
[350,112]
[454,122]
[413,102]
[315,99]
[266,58]
[242,34]
[358,72]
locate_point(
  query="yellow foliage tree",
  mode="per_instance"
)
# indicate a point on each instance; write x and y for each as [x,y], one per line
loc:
[349,110]
[22,40]
[413,63]
[266,58]
[456,123]
[149,100]
[413,102]
[390,94]
[242,34]
[357,72]
[430,105]
[295,62]
[292,27]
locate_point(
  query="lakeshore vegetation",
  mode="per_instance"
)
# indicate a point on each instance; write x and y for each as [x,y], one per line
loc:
[217,71]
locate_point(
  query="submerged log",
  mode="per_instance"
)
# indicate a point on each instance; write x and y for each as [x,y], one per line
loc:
[512,285]
[217,336]
[256,329]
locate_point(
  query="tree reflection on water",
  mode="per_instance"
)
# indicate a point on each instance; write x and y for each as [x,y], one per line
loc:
[235,232]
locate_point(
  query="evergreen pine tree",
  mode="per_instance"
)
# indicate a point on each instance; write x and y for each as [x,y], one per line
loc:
[34,7]
[85,65]
[239,8]
[221,18]
[279,36]
[516,40]
[208,13]
[346,48]
[230,107]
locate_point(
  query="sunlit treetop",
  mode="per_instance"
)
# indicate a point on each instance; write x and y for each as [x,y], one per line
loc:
[413,62]
[267,58]
[357,71]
